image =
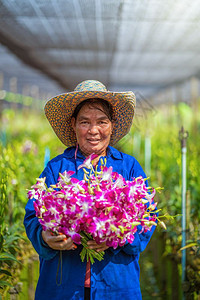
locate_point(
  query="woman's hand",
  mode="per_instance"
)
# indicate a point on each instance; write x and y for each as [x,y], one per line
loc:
[97,247]
[58,242]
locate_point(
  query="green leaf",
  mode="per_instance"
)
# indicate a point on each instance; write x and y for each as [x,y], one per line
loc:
[2,271]
[7,256]
[5,283]
[11,239]
[188,246]
[1,241]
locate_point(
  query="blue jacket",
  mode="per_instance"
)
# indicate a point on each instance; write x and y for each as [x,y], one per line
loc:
[115,277]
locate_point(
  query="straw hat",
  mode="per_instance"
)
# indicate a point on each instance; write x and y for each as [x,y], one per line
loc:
[59,110]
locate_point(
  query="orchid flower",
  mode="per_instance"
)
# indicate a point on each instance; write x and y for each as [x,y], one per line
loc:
[102,206]
[88,162]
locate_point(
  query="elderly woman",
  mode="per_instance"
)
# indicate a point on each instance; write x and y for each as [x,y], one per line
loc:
[88,120]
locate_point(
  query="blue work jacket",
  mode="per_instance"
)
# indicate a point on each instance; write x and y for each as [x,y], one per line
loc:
[117,275]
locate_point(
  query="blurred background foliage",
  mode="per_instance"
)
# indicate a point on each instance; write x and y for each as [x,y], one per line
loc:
[26,140]
[159,132]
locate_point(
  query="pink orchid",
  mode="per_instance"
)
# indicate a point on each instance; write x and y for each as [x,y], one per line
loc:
[88,161]
[107,174]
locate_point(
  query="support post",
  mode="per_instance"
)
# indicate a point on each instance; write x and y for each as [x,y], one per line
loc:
[183,135]
[46,156]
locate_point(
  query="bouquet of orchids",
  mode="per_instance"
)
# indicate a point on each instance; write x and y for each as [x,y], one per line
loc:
[103,206]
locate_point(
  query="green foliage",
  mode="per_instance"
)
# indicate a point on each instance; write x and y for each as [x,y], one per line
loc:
[23,139]
[163,129]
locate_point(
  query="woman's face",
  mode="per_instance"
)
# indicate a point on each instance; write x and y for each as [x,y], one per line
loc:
[93,130]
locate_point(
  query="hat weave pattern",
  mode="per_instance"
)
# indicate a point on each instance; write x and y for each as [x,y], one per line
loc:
[59,110]
[90,85]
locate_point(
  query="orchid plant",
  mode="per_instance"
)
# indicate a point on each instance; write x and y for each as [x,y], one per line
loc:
[103,206]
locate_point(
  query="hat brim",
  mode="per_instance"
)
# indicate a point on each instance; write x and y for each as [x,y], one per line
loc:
[59,110]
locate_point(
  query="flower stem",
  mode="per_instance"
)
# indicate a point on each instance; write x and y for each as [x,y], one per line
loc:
[89,254]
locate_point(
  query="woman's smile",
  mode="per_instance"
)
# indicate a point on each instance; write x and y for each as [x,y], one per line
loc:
[93,141]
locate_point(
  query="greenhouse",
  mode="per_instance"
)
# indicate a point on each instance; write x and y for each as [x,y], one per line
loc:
[150,48]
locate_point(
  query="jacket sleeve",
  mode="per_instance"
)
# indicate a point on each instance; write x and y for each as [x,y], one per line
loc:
[138,245]
[140,242]
[141,238]
[34,228]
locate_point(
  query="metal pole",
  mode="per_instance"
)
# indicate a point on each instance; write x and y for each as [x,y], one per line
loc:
[183,135]
[46,156]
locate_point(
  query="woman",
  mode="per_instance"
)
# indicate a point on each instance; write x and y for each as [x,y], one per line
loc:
[88,120]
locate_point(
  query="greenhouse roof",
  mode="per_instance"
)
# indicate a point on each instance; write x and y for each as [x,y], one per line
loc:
[134,45]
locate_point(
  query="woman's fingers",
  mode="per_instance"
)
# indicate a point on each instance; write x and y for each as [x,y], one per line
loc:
[58,242]
[97,247]
[61,242]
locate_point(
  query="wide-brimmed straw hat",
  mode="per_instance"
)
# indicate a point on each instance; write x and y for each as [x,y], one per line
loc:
[59,110]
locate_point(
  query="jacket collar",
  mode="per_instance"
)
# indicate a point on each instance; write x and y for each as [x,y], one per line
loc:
[70,153]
